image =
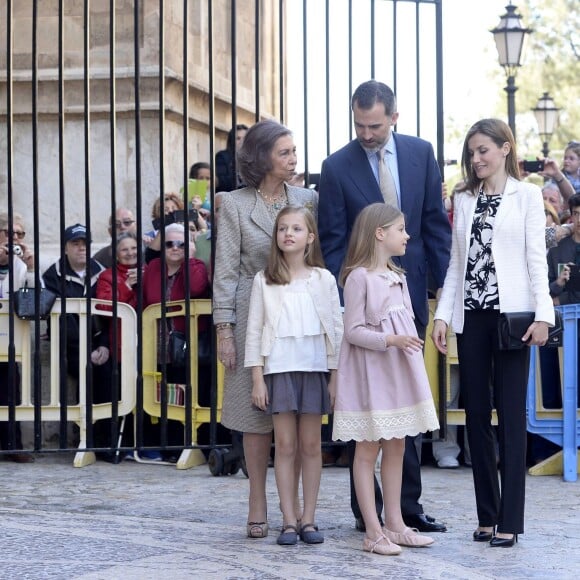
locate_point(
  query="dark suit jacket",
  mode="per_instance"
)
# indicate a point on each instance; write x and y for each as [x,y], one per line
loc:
[347,185]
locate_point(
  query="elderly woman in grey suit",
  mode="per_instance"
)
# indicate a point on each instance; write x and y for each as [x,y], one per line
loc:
[267,163]
[497,265]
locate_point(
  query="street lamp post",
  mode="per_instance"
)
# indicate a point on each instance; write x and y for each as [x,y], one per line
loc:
[509,40]
[546,114]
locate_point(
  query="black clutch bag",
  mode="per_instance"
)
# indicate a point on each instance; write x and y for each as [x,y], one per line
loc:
[513,325]
[25,307]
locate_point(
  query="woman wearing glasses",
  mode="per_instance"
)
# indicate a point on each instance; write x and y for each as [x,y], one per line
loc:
[16,261]
[173,270]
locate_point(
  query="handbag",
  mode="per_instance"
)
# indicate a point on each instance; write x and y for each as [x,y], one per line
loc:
[177,348]
[513,325]
[24,305]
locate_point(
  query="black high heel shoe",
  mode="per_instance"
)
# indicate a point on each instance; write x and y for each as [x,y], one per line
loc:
[480,536]
[503,542]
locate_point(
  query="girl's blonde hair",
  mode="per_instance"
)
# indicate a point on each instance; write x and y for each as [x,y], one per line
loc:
[362,246]
[276,271]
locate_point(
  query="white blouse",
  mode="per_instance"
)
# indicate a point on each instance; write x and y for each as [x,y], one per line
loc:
[299,344]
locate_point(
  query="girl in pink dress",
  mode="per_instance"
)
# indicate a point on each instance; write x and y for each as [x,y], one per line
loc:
[382,390]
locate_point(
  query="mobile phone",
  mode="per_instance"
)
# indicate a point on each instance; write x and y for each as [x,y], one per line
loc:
[178,216]
[533,166]
[193,216]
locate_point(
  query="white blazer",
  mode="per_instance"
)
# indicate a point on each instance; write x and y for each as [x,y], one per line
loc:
[265,310]
[519,253]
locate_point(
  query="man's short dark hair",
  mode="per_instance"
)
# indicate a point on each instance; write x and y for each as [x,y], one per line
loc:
[372,92]
[196,168]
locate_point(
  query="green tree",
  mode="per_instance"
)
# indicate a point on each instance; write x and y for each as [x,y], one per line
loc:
[551,63]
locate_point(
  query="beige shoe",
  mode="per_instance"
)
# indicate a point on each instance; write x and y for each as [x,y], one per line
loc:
[382,546]
[410,537]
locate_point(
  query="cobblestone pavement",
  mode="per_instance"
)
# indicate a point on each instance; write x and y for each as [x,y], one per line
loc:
[152,521]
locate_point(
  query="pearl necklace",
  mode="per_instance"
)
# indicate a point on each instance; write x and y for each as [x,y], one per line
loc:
[276,201]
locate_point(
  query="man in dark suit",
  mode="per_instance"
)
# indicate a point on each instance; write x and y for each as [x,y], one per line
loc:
[349,182]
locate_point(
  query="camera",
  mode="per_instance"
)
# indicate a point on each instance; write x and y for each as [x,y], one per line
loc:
[178,216]
[17,250]
[533,166]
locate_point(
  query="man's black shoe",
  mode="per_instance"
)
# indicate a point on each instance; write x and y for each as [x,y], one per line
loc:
[359,524]
[424,523]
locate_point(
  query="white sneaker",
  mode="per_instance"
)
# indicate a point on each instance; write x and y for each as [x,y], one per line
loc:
[448,462]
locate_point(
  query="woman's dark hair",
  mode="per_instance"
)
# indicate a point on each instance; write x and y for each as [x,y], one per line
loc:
[500,133]
[196,167]
[231,142]
[254,156]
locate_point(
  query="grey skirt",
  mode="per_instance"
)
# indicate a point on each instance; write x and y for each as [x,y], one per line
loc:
[298,392]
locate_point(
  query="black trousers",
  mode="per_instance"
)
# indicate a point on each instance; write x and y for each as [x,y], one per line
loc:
[5,399]
[411,488]
[481,363]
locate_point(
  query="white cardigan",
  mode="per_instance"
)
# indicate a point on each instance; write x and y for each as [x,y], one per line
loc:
[266,307]
[519,253]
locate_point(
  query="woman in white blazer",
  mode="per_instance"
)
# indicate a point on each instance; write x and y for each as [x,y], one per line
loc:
[498,264]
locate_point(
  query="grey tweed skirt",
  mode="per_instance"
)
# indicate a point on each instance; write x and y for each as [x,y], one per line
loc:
[298,392]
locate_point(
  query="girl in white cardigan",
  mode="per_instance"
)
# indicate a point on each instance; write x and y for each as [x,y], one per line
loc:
[293,338]
[498,264]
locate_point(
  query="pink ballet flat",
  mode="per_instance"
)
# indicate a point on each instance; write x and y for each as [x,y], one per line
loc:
[410,537]
[382,546]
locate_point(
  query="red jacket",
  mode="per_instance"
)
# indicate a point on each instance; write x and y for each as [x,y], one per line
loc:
[198,286]
[124,294]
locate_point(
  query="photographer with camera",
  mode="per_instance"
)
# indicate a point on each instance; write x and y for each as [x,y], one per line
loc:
[174,213]
[19,248]
[16,260]
[553,172]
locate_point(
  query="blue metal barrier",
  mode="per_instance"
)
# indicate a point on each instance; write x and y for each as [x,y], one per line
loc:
[560,427]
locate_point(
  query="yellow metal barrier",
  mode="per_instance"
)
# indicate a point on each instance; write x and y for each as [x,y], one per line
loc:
[76,412]
[151,378]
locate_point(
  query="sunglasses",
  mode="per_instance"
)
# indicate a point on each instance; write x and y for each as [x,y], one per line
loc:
[19,234]
[174,244]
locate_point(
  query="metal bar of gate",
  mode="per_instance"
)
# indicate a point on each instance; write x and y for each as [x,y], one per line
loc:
[113,208]
[139,210]
[213,394]
[188,387]
[87,174]
[62,222]
[36,230]
[12,369]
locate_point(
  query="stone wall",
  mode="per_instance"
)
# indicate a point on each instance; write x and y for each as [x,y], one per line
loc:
[104,135]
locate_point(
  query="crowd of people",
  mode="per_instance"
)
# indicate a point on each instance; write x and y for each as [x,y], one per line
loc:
[320,306]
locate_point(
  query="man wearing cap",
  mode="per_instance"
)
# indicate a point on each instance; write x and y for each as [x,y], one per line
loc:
[75,286]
